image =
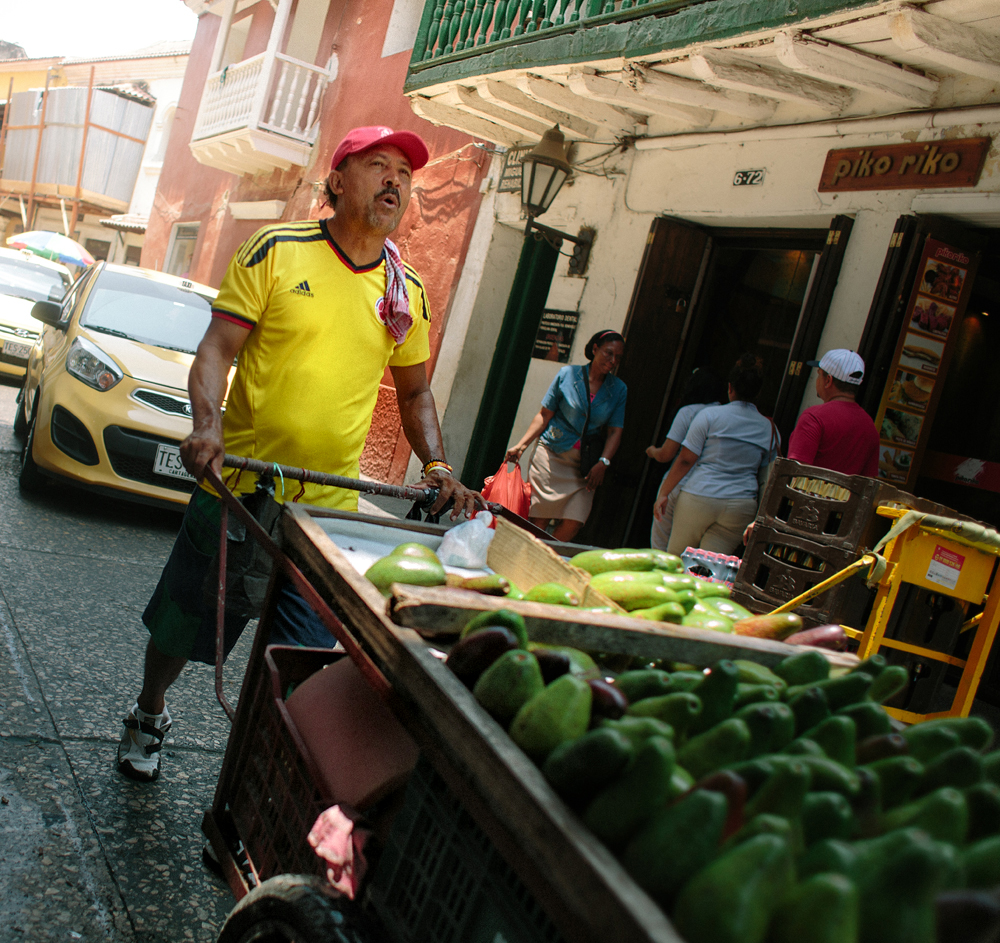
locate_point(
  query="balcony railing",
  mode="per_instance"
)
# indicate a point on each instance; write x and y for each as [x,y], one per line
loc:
[468,27]
[270,93]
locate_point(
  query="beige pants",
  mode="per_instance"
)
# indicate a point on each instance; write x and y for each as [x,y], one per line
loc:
[659,533]
[715,524]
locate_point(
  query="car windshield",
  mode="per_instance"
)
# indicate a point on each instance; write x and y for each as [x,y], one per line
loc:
[24,279]
[147,311]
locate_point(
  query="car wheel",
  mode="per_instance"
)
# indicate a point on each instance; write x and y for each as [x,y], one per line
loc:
[31,480]
[20,416]
[295,909]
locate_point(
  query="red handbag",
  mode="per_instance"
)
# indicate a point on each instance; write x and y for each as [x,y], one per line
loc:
[509,489]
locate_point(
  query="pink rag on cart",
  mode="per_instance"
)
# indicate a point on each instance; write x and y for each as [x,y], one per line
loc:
[339,841]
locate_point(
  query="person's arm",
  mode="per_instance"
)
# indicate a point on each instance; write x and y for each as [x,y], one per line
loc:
[537,426]
[595,477]
[207,384]
[666,452]
[682,465]
[420,425]
[803,443]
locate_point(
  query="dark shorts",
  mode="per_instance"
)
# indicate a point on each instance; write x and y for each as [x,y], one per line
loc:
[181,620]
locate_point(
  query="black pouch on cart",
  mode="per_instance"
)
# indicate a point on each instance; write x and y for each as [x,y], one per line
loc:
[248,564]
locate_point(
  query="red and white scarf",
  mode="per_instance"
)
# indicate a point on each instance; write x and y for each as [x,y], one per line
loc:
[394,308]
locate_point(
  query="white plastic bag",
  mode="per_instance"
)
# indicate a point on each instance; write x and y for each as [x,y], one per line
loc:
[467,544]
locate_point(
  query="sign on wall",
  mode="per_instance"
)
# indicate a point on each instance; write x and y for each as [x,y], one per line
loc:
[555,335]
[919,166]
[916,377]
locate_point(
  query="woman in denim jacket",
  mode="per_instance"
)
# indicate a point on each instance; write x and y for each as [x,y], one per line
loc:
[561,490]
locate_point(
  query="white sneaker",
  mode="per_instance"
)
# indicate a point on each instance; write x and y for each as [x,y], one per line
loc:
[139,750]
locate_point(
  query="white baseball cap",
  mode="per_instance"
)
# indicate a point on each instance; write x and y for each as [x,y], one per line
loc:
[841,364]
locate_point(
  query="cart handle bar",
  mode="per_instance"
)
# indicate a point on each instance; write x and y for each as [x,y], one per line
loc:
[308,592]
[406,492]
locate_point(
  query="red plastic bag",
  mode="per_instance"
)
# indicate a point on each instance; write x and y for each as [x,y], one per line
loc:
[508,488]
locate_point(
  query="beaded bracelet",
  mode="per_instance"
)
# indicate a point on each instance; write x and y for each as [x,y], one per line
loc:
[430,466]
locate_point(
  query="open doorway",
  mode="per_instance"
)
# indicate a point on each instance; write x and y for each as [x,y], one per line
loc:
[702,298]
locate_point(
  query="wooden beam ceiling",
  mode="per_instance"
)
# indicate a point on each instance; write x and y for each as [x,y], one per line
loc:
[469,100]
[953,46]
[613,120]
[611,90]
[744,73]
[841,65]
[672,88]
[513,99]
[440,114]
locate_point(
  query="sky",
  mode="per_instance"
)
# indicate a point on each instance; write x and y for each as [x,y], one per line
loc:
[93,28]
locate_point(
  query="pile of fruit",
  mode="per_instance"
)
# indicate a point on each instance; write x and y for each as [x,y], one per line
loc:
[648,584]
[758,805]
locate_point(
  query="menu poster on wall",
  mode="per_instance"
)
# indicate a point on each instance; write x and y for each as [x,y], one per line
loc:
[916,377]
[555,335]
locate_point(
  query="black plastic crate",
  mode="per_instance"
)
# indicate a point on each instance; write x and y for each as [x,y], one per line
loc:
[439,877]
[821,504]
[778,566]
[278,794]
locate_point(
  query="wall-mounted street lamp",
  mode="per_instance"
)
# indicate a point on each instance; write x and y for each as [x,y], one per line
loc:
[544,169]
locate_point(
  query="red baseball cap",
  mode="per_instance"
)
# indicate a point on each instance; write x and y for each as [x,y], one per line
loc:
[361,139]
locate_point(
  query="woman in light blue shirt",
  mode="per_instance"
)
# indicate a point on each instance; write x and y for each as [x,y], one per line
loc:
[703,389]
[724,450]
[560,489]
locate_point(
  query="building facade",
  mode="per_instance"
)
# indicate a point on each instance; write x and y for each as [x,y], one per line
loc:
[781,178]
[86,96]
[269,92]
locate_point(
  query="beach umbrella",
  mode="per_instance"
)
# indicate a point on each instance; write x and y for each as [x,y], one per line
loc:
[52,245]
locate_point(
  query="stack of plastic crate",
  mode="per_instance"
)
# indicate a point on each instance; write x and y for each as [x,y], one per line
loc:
[812,523]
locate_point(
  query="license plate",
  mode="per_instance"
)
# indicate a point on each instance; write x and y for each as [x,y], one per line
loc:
[13,349]
[168,462]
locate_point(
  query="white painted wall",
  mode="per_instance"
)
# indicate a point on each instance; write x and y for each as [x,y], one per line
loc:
[402,29]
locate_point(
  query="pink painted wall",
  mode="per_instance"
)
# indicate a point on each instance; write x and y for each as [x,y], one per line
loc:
[435,231]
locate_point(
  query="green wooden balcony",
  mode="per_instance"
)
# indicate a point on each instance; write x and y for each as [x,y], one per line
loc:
[610,70]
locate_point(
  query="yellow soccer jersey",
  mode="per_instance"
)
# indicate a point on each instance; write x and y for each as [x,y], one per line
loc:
[307,377]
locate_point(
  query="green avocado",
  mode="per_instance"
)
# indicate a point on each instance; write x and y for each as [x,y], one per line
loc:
[826,815]
[555,594]
[508,684]
[837,738]
[772,726]
[898,776]
[943,814]
[413,571]
[413,549]
[732,900]
[603,561]
[982,863]
[803,668]
[578,769]
[504,618]
[717,693]
[821,909]
[958,767]
[678,709]
[619,809]
[637,730]
[754,693]
[870,720]
[676,843]
[723,745]
[560,712]
[753,673]
[983,800]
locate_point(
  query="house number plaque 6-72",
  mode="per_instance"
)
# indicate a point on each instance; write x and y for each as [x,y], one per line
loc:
[748,178]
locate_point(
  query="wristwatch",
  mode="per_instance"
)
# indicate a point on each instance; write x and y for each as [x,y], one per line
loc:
[607,461]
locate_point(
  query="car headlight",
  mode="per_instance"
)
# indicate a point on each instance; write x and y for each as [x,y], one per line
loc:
[89,364]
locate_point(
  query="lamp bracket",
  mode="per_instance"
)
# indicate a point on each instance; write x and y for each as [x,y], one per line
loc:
[586,236]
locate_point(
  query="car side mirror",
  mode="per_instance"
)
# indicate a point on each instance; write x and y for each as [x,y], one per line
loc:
[47,312]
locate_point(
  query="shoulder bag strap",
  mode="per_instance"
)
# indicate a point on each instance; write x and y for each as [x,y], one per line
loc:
[586,391]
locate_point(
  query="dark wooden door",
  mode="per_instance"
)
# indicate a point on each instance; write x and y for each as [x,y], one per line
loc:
[655,330]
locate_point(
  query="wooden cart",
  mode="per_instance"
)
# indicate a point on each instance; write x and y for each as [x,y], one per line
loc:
[574,879]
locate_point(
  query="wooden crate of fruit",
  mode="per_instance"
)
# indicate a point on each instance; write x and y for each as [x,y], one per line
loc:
[760,802]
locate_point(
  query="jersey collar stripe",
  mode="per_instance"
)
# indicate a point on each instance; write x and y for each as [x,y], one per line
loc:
[345,258]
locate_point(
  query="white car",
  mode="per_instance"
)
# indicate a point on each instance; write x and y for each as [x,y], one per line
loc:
[24,279]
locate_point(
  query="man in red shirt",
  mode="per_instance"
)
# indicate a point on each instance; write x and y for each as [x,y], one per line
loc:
[837,434]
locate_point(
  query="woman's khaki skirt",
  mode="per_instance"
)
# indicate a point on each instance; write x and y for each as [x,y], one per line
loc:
[557,486]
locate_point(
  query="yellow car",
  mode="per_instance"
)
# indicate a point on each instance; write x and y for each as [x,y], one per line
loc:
[24,279]
[105,403]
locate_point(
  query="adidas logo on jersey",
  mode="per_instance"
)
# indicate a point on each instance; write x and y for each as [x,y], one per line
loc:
[302,289]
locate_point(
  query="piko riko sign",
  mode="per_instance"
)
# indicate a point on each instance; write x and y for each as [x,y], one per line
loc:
[905,166]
